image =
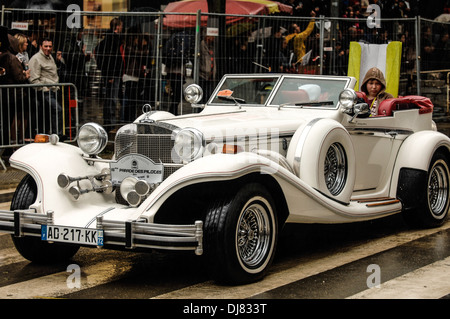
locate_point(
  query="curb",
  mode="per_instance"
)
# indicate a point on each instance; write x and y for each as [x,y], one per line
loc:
[6,195]
[9,180]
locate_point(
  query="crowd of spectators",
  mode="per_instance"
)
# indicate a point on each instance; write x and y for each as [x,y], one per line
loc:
[24,112]
[294,46]
[358,8]
[351,25]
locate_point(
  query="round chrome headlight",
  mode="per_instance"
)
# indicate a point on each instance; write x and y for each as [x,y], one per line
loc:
[188,145]
[92,138]
[347,98]
[193,93]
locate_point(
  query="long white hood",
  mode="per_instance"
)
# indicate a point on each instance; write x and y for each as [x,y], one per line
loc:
[232,121]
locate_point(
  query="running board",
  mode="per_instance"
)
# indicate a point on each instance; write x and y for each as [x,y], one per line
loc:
[377,201]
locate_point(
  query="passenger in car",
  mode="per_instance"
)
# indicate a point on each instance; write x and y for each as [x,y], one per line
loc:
[374,85]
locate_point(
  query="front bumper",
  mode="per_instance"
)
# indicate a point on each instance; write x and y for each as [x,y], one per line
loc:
[131,234]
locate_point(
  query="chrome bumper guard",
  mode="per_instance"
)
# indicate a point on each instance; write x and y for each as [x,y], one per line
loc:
[132,234]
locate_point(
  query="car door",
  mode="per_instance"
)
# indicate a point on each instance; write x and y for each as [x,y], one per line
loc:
[375,150]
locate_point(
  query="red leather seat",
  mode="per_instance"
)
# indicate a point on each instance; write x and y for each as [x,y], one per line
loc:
[423,104]
[362,95]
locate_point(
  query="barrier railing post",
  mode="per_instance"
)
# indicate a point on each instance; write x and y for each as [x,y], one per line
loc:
[418,59]
[26,110]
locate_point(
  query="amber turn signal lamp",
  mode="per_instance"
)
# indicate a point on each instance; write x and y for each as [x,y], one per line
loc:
[41,138]
[231,149]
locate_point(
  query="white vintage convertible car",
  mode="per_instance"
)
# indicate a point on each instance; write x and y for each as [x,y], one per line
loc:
[264,151]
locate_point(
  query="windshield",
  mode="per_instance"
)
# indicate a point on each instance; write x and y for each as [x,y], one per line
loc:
[292,90]
[245,90]
[302,91]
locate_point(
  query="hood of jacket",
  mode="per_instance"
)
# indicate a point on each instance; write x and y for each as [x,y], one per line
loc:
[373,74]
[13,44]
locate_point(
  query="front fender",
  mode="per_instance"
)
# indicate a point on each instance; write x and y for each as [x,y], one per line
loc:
[44,162]
[416,152]
[212,168]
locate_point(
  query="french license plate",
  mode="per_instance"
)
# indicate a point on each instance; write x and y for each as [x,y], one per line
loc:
[74,235]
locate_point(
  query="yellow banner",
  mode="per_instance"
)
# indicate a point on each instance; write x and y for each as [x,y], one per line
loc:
[386,57]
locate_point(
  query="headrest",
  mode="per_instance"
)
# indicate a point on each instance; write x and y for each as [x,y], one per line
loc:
[313,91]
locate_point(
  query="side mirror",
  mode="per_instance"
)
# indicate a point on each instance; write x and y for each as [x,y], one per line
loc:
[352,105]
[360,109]
[347,99]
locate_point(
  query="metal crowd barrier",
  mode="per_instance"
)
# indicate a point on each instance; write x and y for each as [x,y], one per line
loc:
[250,45]
[245,46]
[30,109]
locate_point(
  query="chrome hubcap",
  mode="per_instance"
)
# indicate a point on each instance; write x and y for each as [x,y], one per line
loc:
[438,189]
[335,170]
[253,235]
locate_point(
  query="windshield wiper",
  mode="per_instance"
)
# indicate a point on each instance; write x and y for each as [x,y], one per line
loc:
[236,100]
[314,103]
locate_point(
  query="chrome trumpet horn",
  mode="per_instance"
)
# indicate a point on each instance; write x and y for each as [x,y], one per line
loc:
[64,181]
[76,191]
[134,190]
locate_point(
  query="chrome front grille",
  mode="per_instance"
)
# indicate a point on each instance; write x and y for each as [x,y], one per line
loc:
[157,147]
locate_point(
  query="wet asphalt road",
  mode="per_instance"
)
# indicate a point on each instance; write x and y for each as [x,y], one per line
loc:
[364,260]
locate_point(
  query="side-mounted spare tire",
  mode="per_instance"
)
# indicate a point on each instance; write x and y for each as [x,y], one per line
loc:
[240,235]
[321,153]
[33,248]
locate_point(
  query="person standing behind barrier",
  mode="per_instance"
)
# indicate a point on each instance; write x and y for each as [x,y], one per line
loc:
[44,70]
[134,73]
[18,46]
[297,39]
[273,50]
[4,45]
[12,100]
[426,49]
[177,52]
[33,46]
[108,57]
[15,72]
[76,57]
[22,54]
[207,72]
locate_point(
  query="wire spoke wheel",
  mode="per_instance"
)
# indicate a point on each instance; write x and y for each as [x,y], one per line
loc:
[253,236]
[241,233]
[335,168]
[438,192]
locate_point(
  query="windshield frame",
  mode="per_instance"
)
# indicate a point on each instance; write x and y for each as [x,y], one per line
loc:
[335,105]
[219,88]
[279,80]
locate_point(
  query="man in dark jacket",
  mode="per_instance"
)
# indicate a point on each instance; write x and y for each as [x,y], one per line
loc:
[109,61]
[76,58]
